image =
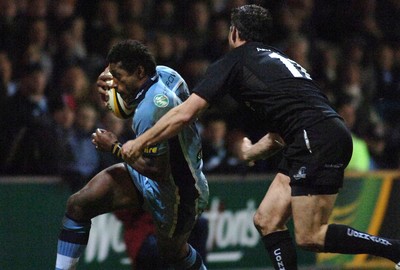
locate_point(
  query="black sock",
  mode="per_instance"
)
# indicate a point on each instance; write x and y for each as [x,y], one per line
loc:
[281,250]
[346,240]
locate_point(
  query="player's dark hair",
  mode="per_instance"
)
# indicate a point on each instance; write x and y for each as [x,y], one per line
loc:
[253,22]
[131,54]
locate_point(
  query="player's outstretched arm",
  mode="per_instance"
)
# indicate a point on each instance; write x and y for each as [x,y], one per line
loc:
[168,126]
[267,146]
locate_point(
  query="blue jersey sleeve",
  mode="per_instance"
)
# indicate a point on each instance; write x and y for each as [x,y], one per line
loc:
[173,81]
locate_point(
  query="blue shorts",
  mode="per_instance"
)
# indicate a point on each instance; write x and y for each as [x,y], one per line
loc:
[171,216]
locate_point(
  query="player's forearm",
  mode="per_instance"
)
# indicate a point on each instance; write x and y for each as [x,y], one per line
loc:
[267,146]
[168,126]
[172,122]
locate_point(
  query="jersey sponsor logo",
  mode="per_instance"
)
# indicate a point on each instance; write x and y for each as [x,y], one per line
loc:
[161,100]
[150,150]
[301,174]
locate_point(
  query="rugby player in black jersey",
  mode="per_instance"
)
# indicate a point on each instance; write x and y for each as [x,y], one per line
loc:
[294,114]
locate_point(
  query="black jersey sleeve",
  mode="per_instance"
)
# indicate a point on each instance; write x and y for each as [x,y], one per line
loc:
[220,77]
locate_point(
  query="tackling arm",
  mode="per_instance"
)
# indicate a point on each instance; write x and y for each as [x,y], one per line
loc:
[166,127]
[267,146]
[156,168]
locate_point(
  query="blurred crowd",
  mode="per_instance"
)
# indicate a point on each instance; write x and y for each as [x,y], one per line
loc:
[51,52]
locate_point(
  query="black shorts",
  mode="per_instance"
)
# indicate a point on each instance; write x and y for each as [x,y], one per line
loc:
[316,159]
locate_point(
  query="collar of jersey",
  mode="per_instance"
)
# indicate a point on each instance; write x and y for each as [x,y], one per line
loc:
[142,92]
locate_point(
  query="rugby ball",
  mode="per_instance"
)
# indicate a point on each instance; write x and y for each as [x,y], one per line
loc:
[118,106]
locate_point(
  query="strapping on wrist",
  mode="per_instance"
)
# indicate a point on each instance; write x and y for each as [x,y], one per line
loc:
[116,149]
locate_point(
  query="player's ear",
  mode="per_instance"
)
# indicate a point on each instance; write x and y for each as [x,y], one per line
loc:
[140,72]
[234,33]
[230,35]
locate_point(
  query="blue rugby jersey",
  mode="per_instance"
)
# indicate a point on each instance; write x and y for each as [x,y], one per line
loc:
[164,91]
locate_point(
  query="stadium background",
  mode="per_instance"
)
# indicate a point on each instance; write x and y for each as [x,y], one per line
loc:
[350,47]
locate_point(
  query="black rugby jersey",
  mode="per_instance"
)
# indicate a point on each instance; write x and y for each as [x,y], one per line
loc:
[278,91]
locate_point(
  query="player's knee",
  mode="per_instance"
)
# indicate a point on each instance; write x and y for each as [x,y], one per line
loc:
[261,223]
[75,209]
[264,224]
[257,221]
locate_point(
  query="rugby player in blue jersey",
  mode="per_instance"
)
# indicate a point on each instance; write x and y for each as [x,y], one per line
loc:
[293,113]
[167,180]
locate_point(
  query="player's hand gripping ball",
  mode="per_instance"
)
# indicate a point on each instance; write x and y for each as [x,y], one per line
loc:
[118,106]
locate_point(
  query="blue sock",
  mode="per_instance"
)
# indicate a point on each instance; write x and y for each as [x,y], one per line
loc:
[72,241]
[192,261]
